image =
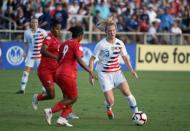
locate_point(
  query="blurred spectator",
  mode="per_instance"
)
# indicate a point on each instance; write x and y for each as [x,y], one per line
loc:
[80,16]
[174,8]
[166,19]
[73,8]
[126,15]
[144,15]
[39,12]
[152,37]
[151,13]
[20,19]
[61,15]
[176,31]
[143,26]
[96,18]
[132,24]
[45,19]
[144,20]
[186,22]
[121,26]
[103,8]
[27,10]
[186,26]
[13,4]
[35,4]
[10,13]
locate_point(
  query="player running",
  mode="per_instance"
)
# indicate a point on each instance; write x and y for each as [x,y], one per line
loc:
[48,64]
[70,53]
[109,71]
[34,38]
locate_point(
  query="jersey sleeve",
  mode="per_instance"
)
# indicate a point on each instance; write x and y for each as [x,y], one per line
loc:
[46,37]
[123,50]
[47,41]
[78,51]
[96,51]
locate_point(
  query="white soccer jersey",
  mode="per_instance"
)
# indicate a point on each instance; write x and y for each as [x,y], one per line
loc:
[34,39]
[108,55]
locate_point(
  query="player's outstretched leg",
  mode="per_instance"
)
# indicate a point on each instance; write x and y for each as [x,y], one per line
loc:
[72,116]
[48,115]
[35,102]
[63,122]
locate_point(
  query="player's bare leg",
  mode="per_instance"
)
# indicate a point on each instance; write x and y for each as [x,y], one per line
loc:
[109,103]
[48,95]
[60,106]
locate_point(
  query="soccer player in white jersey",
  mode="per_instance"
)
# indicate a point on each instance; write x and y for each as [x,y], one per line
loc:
[109,71]
[34,38]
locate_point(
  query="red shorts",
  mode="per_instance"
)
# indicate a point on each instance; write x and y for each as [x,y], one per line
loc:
[68,86]
[47,77]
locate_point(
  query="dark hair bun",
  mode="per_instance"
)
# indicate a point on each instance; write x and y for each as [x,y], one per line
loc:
[72,29]
[54,22]
[76,31]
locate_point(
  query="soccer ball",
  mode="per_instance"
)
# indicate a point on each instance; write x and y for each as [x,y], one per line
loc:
[139,118]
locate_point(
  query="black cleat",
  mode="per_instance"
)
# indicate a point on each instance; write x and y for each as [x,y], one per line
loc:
[20,92]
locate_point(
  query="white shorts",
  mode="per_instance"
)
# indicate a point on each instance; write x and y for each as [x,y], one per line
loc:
[109,81]
[32,62]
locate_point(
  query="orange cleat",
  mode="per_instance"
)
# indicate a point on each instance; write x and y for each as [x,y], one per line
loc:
[110,114]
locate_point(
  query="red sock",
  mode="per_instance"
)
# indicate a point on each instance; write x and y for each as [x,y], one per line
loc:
[40,97]
[57,107]
[66,112]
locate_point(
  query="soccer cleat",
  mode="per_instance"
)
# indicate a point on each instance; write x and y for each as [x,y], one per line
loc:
[72,116]
[48,114]
[63,122]
[35,102]
[110,113]
[20,92]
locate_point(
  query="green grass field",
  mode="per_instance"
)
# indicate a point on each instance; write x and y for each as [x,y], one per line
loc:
[164,96]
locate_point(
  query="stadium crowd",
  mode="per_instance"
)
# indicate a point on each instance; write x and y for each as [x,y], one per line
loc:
[131,15]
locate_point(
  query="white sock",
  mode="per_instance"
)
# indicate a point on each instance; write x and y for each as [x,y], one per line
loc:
[132,103]
[24,80]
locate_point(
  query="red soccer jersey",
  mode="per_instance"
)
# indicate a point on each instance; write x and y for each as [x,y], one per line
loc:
[68,52]
[53,46]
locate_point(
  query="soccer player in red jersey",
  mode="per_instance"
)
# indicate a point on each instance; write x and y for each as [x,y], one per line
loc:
[48,64]
[70,53]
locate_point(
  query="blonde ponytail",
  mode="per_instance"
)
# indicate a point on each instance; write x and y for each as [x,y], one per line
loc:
[102,24]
